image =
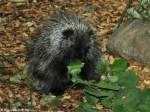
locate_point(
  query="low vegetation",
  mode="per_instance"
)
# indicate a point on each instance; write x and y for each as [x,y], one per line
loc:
[117,90]
[141,11]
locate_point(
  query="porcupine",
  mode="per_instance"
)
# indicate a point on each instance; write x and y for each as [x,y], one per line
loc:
[62,38]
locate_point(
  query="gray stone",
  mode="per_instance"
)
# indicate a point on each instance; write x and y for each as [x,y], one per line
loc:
[132,41]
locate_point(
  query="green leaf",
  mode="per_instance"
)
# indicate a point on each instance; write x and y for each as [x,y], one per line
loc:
[113,78]
[118,108]
[86,108]
[144,98]
[119,65]
[74,68]
[50,100]
[131,100]
[106,102]
[107,85]
[102,67]
[142,2]
[146,14]
[31,103]
[128,79]
[17,104]
[108,94]
[93,91]
[16,78]
[75,71]
[98,93]
[134,13]
[91,99]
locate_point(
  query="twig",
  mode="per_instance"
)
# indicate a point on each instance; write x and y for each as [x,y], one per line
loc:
[5,58]
[129,3]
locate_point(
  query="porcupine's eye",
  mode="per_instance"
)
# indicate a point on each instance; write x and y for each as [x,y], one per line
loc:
[67,33]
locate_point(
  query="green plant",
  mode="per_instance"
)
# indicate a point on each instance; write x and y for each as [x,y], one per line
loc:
[49,100]
[22,103]
[142,11]
[21,77]
[117,90]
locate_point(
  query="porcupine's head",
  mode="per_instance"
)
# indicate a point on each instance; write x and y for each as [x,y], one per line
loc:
[70,35]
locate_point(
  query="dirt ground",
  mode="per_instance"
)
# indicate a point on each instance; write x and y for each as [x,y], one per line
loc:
[19,20]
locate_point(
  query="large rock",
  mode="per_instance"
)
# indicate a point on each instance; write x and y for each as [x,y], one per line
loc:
[132,41]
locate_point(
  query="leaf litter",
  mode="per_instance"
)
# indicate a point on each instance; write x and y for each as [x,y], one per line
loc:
[18,22]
